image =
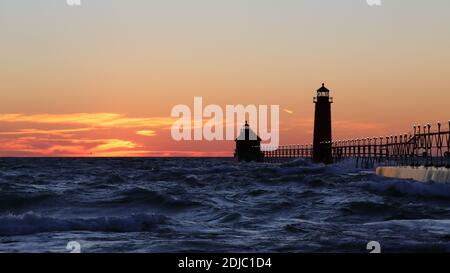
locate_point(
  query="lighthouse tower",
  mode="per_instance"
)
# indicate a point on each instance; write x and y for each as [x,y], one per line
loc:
[322,152]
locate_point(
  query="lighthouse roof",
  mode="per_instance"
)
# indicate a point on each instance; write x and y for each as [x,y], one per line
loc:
[247,134]
[323,89]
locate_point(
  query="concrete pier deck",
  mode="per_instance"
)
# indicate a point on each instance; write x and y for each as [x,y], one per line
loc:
[422,174]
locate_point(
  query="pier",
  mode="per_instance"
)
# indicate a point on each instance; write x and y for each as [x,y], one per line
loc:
[425,146]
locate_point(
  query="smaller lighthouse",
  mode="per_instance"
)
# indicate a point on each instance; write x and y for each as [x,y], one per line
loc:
[248,146]
[322,152]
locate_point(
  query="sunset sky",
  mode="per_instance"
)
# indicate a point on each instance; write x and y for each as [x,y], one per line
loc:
[101,79]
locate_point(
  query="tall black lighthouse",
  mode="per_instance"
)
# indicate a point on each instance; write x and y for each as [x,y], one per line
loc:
[322,152]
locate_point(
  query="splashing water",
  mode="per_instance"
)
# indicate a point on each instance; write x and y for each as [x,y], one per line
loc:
[214,205]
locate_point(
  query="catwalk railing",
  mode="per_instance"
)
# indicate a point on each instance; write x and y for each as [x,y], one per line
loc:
[425,146]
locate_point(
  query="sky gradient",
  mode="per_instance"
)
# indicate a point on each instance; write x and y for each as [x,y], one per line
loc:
[102,78]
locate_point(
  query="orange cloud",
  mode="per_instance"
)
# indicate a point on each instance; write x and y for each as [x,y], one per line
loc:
[78,134]
[45,132]
[89,119]
[111,144]
[95,134]
[146,132]
[110,134]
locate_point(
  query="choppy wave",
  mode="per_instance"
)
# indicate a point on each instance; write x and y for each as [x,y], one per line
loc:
[16,200]
[412,188]
[207,204]
[141,195]
[31,223]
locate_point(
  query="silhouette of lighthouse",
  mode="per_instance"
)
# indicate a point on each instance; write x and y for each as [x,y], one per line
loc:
[322,152]
[248,145]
